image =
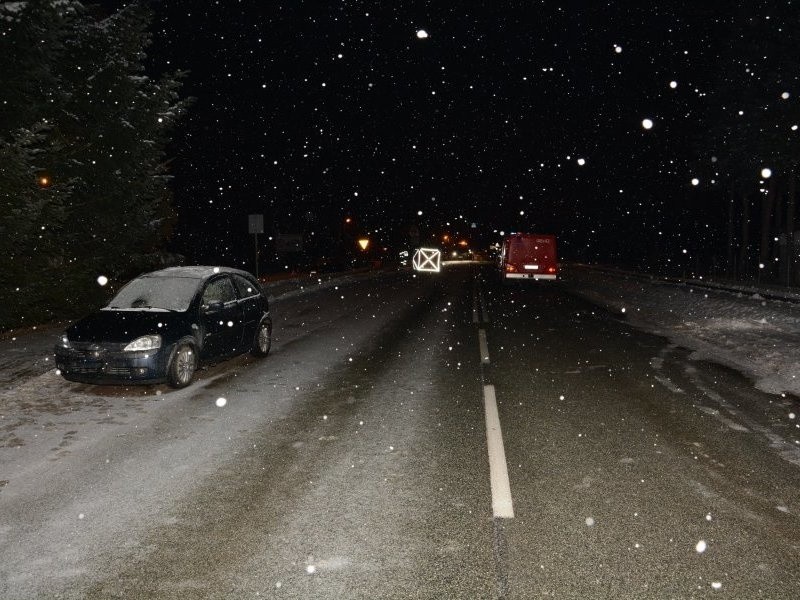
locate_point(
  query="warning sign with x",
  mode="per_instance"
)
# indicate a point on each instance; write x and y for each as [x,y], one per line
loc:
[428,259]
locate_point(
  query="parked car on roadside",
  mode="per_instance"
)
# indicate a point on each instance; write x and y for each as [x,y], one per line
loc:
[163,325]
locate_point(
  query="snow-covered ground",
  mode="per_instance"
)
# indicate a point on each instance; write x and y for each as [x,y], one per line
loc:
[742,329]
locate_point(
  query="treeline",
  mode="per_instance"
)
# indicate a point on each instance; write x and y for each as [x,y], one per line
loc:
[84,181]
[751,145]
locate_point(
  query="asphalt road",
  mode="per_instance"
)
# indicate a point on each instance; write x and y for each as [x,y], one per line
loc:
[357,461]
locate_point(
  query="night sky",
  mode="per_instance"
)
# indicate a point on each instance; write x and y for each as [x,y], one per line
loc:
[513,116]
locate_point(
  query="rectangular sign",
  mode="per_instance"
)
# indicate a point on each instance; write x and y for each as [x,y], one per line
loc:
[255,223]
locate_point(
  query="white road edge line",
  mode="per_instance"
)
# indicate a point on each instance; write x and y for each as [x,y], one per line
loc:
[502,505]
[484,346]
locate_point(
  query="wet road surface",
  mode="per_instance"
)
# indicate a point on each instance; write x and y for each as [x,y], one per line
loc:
[353,462]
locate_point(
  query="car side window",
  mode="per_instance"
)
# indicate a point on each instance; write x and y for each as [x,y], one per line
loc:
[245,288]
[219,290]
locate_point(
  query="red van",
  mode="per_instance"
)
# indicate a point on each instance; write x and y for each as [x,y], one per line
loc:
[528,256]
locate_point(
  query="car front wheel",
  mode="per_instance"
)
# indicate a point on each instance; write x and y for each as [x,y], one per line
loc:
[183,365]
[263,340]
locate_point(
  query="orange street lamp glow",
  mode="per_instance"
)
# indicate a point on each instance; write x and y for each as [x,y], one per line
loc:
[363,242]
[44,181]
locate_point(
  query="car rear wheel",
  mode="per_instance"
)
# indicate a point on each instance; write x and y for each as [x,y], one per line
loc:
[183,365]
[263,340]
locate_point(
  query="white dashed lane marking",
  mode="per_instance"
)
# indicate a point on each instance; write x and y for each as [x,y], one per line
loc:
[484,347]
[502,505]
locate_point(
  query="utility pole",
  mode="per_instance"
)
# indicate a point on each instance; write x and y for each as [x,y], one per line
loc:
[791,242]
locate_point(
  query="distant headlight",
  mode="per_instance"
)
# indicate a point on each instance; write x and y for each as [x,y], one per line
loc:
[65,341]
[146,342]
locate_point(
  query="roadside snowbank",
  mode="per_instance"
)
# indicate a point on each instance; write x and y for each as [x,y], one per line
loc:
[742,330]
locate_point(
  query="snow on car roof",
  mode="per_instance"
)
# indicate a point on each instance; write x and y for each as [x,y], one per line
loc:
[194,272]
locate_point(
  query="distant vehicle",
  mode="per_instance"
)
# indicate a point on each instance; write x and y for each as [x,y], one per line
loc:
[456,251]
[163,325]
[459,253]
[528,256]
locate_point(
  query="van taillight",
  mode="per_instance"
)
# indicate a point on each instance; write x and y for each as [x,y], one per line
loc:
[551,269]
[510,268]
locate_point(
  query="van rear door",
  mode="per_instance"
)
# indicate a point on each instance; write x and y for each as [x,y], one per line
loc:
[530,256]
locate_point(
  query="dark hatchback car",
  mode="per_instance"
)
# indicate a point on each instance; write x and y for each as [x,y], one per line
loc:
[161,326]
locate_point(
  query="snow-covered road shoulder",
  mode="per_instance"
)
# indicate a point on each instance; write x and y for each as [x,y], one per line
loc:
[758,337]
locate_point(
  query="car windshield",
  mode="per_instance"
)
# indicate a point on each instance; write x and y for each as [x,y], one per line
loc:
[166,293]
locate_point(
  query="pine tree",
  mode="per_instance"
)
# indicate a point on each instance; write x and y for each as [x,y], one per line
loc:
[748,126]
[31,209]
[82,112]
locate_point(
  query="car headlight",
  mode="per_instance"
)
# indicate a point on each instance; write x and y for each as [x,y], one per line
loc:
[146,342]
[65,341]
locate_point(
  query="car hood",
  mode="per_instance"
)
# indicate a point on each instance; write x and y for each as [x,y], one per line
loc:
[118,326]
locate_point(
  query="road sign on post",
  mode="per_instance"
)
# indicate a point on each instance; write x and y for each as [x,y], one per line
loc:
[255,225]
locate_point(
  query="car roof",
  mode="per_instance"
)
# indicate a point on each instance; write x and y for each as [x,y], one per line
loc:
[195,272]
